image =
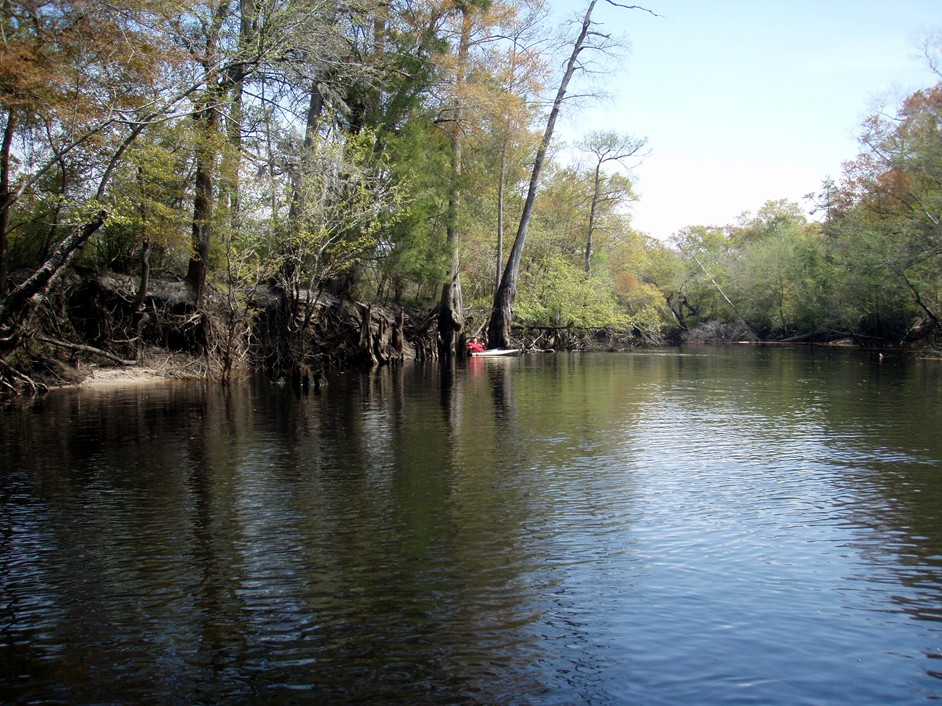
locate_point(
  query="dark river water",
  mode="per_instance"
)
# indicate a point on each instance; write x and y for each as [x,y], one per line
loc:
[733,525]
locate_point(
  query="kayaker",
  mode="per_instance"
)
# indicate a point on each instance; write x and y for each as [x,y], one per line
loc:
[475,346]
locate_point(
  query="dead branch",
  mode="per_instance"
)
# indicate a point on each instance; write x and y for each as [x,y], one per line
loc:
[88,349]
[632,7]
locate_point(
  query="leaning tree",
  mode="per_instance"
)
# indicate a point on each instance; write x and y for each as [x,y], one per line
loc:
[502,312]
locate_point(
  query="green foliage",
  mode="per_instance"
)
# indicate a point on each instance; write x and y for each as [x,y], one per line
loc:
[869,297]
[147,200]
[557,292]
[345,201]
[885,237]
[775,272]
[33,230]
[411,248]
[701,274]
[639,267]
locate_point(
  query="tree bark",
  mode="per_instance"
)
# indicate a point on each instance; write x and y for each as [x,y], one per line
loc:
[450,315]
[502,311]
[5,202]
[367,349]
[289,269]
[207,121]
[145,276]
[315,109]
[249,11]
[501,179]
[593,207]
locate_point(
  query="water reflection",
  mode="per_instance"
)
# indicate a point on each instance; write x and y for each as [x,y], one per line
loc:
[715,525]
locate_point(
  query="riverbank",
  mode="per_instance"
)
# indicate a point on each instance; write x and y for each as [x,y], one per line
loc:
[110,376]
[96,329]
[90,332]
[155,367]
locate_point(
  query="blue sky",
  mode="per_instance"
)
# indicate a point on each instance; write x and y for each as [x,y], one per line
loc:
[743,101]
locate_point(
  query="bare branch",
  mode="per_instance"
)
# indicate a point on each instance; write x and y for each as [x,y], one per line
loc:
[118,360]
[632,7]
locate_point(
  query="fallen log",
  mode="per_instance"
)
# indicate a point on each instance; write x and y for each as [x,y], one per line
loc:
[118,360]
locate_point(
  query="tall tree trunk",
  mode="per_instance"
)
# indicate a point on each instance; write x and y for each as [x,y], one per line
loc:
[450,315]
[144,283]
[145,247]
[373,100]
[249,13]
[501,182]
[502,311]
[315,109]
[207,122]
[592,208]
[288,336]
[232,157]
[5,201]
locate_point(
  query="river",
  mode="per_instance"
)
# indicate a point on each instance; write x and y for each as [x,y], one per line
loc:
[743,525]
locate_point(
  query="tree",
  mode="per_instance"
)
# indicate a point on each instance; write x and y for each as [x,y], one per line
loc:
[775,272]
[450,316]
[502,310]
[485,111]
[119,70]
[520,73]
[411,255]
[148,193]
[889,208]
[644,269]
[348,200]
[556,292]
[607,148]
[298,57]
[6,142]
[81,82]
[700,295]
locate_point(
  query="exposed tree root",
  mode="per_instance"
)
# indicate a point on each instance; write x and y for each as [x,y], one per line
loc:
[12,381]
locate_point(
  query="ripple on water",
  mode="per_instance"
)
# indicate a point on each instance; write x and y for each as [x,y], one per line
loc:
[636,530]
